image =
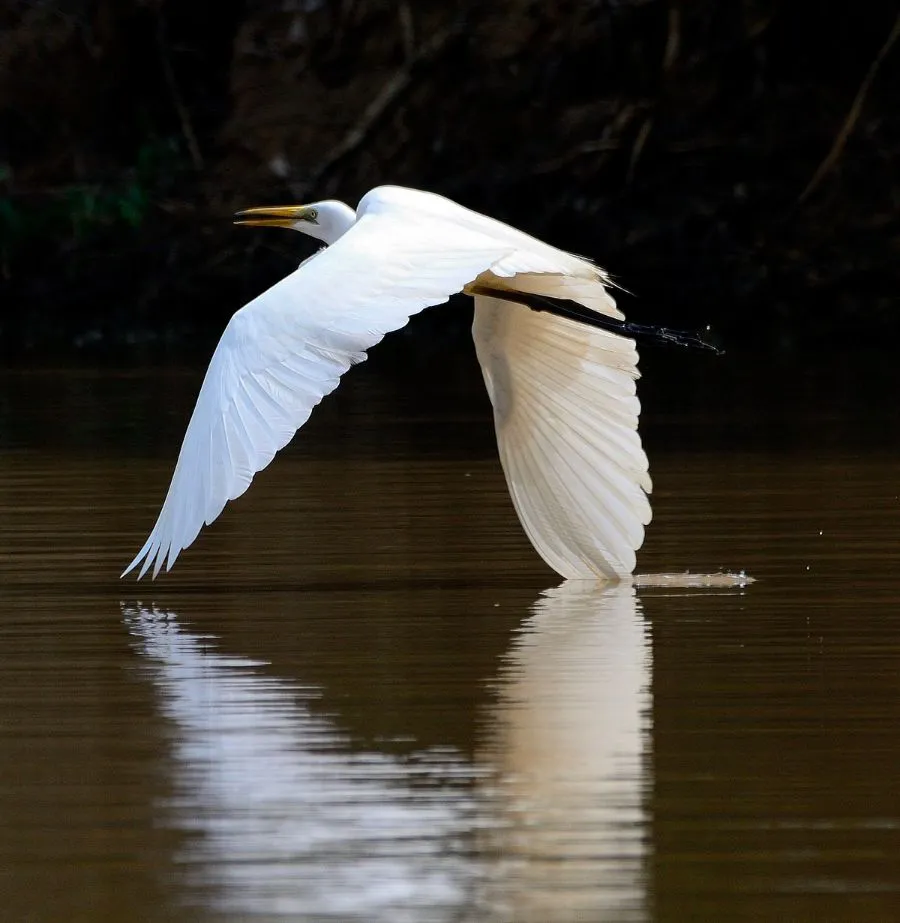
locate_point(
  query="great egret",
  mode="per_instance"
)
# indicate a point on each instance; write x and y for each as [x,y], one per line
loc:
[561,379]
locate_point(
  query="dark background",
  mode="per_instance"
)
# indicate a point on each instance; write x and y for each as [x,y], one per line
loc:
[731,162]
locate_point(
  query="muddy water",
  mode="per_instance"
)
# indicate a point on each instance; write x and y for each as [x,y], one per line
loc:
[360,696]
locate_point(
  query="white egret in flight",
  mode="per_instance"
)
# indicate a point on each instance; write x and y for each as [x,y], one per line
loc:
[560,377]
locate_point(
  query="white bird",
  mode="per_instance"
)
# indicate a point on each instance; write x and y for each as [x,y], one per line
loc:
[561,380]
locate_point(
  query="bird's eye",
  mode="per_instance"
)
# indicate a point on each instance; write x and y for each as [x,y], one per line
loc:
[312,214]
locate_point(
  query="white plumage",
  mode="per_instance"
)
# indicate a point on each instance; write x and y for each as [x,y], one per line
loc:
[563,392]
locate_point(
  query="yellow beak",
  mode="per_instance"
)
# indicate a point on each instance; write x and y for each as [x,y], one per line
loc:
[272,216]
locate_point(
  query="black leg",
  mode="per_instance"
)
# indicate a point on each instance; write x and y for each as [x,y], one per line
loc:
[565,307]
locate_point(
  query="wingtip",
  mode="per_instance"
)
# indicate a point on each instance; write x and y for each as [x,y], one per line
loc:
[130,567]
[144,558]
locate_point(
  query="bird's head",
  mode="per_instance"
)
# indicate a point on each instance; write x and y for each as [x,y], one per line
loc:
[326,221]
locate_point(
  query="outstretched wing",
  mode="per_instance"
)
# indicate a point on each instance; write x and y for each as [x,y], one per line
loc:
[566,416]
[283,352]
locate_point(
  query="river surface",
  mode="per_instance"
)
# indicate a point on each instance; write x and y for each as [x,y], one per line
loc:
[361,696]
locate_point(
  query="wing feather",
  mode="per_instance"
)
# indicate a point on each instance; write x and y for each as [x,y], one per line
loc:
[566,416]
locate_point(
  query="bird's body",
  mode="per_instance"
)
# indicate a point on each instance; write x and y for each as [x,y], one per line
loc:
[563,389]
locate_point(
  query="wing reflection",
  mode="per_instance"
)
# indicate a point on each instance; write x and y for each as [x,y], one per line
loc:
[280,816]
[570,758]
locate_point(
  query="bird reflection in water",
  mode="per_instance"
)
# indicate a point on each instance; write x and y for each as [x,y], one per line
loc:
[283,816]
[570,760]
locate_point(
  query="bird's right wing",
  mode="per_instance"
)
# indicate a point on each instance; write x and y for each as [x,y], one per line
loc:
[281,353]
[566,416]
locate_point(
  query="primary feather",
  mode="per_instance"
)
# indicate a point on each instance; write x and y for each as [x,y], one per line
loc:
[563,394]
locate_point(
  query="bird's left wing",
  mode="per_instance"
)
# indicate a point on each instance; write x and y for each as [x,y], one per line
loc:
[284,351]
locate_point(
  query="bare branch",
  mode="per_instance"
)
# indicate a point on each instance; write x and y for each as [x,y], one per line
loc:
[184,115]
[386,97]
[852,116]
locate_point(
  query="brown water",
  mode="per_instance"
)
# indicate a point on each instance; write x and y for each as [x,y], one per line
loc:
[360,695]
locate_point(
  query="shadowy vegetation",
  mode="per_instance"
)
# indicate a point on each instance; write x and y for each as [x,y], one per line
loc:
[77,214]
[732,164]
